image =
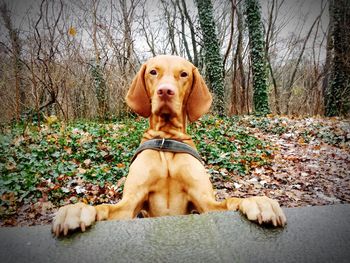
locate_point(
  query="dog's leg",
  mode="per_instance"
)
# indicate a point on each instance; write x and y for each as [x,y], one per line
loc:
[81,215]
[127,208]
[200,190]
[136,189]
[258,208]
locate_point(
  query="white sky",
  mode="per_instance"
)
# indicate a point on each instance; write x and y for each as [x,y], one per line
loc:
[299,13]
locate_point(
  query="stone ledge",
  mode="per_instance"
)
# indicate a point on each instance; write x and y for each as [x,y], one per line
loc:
[313,234]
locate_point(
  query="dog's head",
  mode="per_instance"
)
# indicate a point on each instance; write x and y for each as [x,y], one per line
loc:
[169,86]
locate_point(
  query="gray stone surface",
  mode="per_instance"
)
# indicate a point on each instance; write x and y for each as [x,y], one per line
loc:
[313,234]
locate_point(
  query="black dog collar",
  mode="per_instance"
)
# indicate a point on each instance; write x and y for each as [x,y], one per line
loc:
[167,145]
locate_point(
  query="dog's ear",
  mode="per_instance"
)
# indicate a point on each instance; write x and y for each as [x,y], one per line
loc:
[199,100]
[137,98]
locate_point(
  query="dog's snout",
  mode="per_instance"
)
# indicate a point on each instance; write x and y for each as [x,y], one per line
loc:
[165,91]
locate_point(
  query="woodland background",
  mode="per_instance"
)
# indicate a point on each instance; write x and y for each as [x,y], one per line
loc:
[76,59]
[279,73]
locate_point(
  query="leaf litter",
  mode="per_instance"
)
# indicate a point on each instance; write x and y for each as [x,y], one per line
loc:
[298,161]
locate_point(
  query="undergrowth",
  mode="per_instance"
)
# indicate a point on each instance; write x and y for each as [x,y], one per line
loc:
[34,163]
[66,162]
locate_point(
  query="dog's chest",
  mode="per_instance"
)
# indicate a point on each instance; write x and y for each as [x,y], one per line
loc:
[168,198]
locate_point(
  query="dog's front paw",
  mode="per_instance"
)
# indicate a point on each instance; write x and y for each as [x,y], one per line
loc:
[263,210]
[71,217]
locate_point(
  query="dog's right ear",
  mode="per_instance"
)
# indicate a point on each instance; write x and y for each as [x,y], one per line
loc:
[137,97]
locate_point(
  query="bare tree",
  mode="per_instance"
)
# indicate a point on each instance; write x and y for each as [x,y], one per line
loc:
[191,26]
[15,50]
[239,103]
[270,39]
[76,59]
[170,18]
[150,34]
[47,40]
[294,73]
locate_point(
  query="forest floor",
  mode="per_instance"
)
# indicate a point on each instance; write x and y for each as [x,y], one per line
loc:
[298,161]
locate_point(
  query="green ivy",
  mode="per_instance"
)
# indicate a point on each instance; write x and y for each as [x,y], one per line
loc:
[100,90]
[48,160]
[258,59]
[213,60]
[222,143]
[337,96]
[26,162]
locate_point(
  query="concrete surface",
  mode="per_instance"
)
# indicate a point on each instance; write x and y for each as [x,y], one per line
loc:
[313,234]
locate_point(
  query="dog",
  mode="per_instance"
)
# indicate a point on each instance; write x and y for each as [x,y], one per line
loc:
[166,176]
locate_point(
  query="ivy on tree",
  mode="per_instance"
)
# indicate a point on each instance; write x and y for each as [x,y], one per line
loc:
[337,94]
[257,55]
[212,57]
[100,89]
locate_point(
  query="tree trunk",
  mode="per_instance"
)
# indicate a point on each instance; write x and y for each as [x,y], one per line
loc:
[96,70]
[16,50]
[183,31]
[239,79]
[337,97]
[258,58]
[329,55]
[193,34]
[213,60]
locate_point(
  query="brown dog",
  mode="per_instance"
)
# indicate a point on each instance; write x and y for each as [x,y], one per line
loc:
[168,90]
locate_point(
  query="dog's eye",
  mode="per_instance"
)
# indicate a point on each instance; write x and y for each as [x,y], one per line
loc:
[153,72]
[183,74]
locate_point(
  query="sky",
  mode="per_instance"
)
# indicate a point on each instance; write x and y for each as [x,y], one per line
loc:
[308,9]
[298,13]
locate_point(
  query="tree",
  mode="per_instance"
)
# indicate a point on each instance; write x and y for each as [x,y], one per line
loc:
[269,37]
[96,69]
[213,60]
[50,75]
[191,26]
[16,50]
[258,58]
[240,101]
[337,96]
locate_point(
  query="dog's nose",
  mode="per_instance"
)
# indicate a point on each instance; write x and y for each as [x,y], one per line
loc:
[166,91]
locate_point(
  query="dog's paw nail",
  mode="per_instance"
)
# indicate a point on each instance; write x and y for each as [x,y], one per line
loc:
[260,219]
[274,221]
[65,230]
[82,226]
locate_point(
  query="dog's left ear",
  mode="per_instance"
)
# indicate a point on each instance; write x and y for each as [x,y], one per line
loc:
[199,100]
[137,97]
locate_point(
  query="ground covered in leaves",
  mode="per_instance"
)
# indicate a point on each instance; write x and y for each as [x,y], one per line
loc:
[298,161]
